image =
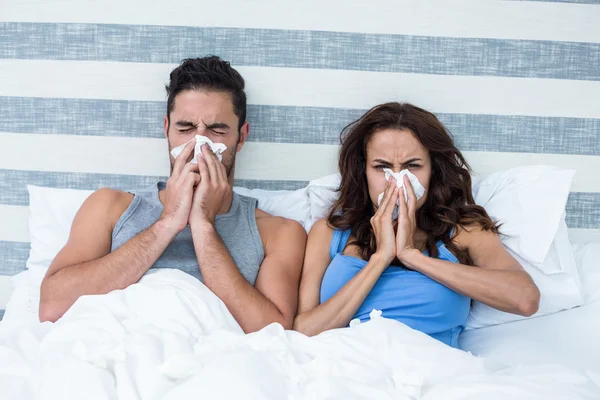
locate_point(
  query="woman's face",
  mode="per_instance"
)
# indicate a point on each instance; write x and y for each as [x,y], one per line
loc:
[396,150]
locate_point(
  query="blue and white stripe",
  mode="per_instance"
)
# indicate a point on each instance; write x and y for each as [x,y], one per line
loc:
[82,89]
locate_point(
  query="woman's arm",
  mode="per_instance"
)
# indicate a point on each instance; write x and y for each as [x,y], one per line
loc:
[498,280]
[314,318]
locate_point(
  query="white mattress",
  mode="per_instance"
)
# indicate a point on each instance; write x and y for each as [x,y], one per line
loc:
[569,337]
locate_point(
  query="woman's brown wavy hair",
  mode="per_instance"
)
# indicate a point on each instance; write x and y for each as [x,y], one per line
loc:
[449,203]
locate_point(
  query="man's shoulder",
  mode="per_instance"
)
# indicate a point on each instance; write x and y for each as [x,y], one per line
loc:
[110,202]
[280,235]
[278,227]
[110,197]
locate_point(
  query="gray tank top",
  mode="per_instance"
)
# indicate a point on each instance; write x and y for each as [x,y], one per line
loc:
[237,229]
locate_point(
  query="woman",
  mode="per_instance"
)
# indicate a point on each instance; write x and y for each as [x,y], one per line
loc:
[423,268]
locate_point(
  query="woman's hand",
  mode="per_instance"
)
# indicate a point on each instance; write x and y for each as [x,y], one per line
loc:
[382,223]
[406,221]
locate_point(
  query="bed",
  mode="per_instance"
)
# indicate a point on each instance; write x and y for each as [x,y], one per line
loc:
[516,82]
[567,338]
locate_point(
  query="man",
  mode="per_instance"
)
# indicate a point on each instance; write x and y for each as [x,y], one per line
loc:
[251,260]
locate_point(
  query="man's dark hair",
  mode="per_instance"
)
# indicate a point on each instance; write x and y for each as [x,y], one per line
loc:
[211,74]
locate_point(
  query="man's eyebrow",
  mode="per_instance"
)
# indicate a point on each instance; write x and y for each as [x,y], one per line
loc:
[184,124]
[217,125]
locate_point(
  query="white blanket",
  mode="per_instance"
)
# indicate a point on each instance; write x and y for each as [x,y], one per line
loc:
[169,337]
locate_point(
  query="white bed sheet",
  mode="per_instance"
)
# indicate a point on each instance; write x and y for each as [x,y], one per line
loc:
[169,337]
[570,338]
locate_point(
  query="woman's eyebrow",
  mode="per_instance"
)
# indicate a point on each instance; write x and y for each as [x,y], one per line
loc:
[379,160]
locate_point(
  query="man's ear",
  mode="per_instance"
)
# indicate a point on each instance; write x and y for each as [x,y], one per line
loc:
[244,131]
[166,127]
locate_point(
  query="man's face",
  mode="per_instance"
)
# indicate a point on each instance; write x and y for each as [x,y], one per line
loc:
[207,114]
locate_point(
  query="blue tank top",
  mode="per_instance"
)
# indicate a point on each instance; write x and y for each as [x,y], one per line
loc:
[404,295]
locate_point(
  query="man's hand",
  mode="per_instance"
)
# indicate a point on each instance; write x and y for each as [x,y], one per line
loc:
[180,190]
[213,191]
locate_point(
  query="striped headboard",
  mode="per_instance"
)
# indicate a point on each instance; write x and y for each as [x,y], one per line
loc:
[82,88]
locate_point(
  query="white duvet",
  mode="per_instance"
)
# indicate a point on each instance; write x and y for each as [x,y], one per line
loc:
[169,337]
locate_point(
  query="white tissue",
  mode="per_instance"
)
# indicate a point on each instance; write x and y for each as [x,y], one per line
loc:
[354,323]
[414,181]
[217,148]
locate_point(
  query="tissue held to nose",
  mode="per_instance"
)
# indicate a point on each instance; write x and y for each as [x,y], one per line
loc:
[417,187]
[217,148]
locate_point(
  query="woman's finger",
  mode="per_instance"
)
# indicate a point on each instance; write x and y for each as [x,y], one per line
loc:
[387,194]
[391,204]
[403,206]
[412,197]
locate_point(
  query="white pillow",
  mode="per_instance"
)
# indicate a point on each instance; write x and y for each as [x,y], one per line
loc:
[282,203]
[530,202]
[51,213]
[587,257]
[322,193]
[558,281]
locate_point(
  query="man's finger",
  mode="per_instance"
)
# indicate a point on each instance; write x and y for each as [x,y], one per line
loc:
[211,161]
[193,178]
[184,157]
[203,170]
[187,168]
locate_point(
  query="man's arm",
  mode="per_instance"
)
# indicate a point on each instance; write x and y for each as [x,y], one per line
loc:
[274,297]
[85,265]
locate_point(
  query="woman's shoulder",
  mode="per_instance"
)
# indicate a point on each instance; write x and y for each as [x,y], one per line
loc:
[318,246]
[321,229]
[466,235]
